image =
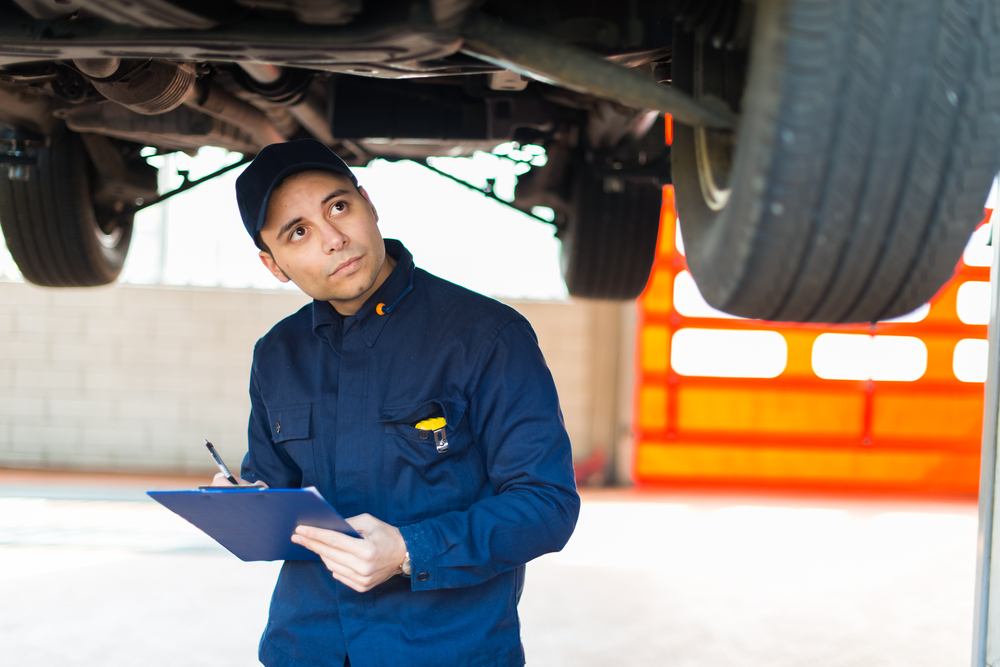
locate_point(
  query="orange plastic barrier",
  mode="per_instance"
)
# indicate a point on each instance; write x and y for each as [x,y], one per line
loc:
[797,429]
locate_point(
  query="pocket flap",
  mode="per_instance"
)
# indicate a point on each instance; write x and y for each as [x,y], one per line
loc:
[291,423]
[453,410]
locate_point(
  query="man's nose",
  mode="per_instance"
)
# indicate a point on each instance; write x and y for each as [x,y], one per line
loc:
[334,240]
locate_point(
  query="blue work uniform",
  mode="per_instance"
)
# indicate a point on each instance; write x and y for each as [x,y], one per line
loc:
[334,404]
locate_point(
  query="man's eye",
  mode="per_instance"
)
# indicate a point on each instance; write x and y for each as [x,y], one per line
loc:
[299,231]
[338,207]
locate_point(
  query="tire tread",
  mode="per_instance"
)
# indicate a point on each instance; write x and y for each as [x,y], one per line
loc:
[49,223]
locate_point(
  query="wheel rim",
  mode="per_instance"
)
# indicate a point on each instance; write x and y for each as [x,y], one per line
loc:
[719,78]
[111,239]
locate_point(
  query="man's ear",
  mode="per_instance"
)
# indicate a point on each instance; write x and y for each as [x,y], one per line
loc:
[272,266]
[369,200]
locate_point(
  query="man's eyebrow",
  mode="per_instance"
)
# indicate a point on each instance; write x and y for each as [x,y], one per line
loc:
[336,193]
[291,223]
[288,225]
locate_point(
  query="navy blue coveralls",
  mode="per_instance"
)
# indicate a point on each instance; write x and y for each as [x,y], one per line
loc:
[334,403]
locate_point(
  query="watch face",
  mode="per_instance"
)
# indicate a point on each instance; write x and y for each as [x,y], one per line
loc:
[406,567]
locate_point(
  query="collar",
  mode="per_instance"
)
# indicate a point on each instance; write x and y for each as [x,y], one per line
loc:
[377,310]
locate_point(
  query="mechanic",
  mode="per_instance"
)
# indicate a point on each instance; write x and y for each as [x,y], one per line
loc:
[421,410]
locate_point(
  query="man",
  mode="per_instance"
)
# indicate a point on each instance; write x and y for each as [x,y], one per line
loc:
[341,392]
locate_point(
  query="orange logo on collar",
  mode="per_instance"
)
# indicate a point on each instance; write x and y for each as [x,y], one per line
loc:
[378,309]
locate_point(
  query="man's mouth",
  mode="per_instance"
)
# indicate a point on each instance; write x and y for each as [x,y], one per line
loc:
[347,265]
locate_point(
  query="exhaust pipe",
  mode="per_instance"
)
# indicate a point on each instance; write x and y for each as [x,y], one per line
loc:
[308,112]
[158,86]
[215,102]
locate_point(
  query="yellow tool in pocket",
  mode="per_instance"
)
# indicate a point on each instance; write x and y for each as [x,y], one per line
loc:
[436,425]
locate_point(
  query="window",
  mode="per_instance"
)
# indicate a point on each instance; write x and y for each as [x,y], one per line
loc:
[861,357]
[728,353]
[688,299]
[977,252]
[970,360]
[974,302]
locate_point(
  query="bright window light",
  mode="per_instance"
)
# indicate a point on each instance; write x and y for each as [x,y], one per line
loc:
[974,302]
[970,360]
[977,253]
[728,353]
[197,238]
[913,316]
[460,235]
[690,303]
[898,358]
[8,269]
[544,212]
[842,357]
[861,357]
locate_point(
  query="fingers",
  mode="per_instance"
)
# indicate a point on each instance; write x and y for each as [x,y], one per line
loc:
[331,539]
[345,567]
[350,578]
[221,480]
[329,544]
[360,564]
[365,524]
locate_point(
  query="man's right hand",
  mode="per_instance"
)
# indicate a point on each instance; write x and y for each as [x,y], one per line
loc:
[221,480]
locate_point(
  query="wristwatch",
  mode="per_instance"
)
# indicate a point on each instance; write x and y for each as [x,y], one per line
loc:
[405,568]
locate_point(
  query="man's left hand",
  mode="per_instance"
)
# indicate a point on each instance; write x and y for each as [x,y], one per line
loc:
[361,564]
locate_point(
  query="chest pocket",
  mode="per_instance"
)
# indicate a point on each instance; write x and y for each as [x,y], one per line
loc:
[401,421]
[291,429]
[427,482]
[291,423]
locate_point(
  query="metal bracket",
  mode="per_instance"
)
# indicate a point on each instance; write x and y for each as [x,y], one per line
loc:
[19,156]
[486,192]
[542,58]
[187,183]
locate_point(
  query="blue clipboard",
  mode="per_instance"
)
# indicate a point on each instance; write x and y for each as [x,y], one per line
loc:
[255,523]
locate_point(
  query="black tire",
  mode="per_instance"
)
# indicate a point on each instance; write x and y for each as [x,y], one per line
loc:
[869,135]
[50,224]
[609,241]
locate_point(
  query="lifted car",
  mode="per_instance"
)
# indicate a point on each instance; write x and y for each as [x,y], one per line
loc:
[830,157]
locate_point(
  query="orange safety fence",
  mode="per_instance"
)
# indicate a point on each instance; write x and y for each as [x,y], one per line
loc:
[807,413]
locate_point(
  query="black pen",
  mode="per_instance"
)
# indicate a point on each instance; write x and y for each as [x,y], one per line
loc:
[218,461]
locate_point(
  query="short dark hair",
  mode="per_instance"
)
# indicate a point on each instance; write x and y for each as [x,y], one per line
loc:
[260,244]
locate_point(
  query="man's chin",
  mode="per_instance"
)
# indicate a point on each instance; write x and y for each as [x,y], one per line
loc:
[345,294]
[324,293]
[338,290]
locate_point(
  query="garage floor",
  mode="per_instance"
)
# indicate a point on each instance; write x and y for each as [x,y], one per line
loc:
[94,575]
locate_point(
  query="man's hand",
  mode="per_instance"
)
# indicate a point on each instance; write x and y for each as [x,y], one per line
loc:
[221,480]
[361,564]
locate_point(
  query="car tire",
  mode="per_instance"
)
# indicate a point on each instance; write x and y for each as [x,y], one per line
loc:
[54,233]
[609,240]
[868,138]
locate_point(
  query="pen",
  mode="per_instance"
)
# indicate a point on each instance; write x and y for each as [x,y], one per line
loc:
[218,461]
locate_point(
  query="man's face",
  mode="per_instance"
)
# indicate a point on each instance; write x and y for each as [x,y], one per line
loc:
[323,236]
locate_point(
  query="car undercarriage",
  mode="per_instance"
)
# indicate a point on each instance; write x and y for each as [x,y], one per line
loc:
[815,181]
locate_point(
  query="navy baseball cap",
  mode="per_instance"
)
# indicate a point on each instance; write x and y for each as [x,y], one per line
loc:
[274,164]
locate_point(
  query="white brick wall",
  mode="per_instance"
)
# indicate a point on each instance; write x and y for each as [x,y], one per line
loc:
[563,332]
[132,378]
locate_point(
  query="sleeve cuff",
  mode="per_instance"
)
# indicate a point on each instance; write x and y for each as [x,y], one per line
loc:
[418,543]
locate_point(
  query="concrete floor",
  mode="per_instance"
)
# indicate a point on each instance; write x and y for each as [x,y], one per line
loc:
[94,575]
